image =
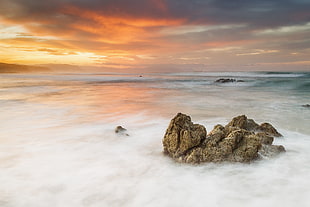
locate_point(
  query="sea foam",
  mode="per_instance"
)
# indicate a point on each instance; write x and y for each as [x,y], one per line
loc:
[58,146]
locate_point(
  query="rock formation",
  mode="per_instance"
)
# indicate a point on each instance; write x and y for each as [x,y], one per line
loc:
[121,131]
[241,140]
[225,80]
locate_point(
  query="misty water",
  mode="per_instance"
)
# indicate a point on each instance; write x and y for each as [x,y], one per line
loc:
[58,146]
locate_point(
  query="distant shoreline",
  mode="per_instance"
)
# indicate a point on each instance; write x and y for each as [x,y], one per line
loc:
[15,68]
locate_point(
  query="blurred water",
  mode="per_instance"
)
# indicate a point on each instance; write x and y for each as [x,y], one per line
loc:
[58,146]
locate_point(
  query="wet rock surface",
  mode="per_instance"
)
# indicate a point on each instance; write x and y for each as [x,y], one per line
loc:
[241,140]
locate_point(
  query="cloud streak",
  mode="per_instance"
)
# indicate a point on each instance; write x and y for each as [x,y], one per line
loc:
[168,31]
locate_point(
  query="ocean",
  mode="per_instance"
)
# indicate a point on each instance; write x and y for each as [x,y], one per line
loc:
[58,147]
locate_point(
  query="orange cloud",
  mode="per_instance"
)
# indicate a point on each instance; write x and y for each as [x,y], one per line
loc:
[219,44]
[152,31]
[116,29]
[122,20]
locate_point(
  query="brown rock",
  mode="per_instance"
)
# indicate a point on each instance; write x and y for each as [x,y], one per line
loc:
[247,150]
[238,146]
[243,122]
[239,122]
[236,142]
[182,135]
[121,130]
[217,134]
[265,139]
[269,129]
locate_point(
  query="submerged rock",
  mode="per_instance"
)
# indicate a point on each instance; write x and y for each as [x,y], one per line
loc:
[121,130]
[228,80]
[241,140]
[225,80]
[271,150]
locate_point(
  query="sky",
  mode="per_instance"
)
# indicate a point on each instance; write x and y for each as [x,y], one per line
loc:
[200,34]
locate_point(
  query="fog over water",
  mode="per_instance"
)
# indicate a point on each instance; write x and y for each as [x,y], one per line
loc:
[58,146]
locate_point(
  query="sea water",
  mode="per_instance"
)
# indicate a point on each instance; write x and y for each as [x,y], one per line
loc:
[58,146]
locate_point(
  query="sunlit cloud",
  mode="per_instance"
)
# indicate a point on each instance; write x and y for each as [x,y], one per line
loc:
[188,29]
[286,29]
[154,32]
[258,52]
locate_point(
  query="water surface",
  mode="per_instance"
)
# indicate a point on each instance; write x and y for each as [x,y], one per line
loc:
[58,146]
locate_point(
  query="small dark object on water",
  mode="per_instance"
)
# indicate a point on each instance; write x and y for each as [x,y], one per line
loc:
[121,130]
[140,76]
[306,105]
[225,80]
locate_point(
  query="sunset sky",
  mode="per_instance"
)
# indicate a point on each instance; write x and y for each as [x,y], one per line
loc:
[220,34]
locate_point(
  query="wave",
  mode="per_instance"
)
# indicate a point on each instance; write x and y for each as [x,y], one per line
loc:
[242,74]
[299,81]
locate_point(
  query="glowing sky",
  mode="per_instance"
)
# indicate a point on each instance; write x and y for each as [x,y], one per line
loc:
[220,33]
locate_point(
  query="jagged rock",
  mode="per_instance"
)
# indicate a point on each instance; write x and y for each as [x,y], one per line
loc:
[265,139]
[238,146]
[182,135]
[269,130]
[241,140]
[243,122]
[121,130]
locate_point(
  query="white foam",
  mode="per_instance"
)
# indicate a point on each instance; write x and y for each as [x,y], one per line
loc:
[62,151]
